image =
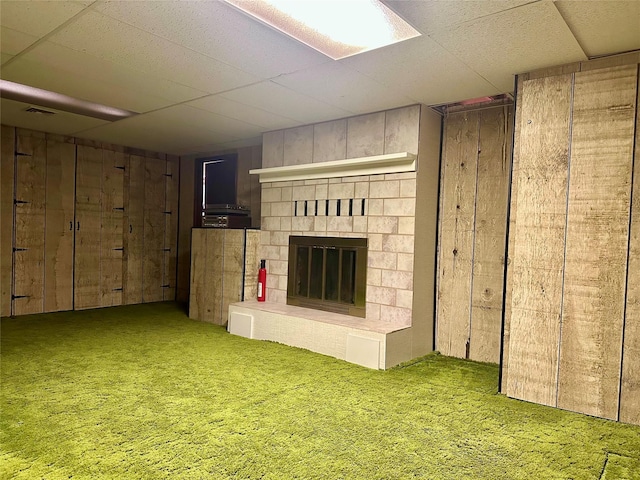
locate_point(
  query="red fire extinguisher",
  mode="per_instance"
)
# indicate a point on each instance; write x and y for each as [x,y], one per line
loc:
[262,281]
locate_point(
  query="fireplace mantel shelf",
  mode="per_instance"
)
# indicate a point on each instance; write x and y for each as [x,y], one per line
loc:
[351,167]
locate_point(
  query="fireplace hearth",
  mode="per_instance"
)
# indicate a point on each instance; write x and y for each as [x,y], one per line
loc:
[328,273]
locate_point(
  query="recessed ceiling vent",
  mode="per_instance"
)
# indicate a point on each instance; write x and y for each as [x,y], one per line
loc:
[39,111]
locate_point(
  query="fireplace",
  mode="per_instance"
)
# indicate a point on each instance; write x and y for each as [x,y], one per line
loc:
[328,273]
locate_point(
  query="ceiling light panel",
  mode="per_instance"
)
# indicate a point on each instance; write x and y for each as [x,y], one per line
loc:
[337,29]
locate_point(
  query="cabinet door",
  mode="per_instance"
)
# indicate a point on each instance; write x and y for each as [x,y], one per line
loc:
[172,179]
[30,171]
[112,203]
[87,275]
[133,230]
[154,204]
[7,164]
[59,231]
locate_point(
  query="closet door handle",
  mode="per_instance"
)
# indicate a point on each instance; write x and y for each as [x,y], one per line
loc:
[78,227]
[130,228]
[71,226]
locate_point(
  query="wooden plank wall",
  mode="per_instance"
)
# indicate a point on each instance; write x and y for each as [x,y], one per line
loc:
[573,275]
[473,216]
[7,159]
[80,221]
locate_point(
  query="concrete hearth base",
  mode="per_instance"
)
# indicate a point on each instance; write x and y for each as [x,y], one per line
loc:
[372,344]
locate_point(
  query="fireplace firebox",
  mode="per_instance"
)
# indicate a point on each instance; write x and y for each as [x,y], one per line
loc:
[328,273]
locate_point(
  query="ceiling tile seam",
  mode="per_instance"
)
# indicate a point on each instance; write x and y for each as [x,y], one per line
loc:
[570,29]
[228,117]
[46,36]
[481,17]
[468,66]
[179,45]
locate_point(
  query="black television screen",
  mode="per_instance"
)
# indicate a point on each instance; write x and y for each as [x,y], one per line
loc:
[219,180]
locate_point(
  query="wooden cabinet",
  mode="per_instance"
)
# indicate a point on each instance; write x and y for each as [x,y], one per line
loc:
[84,225]
[224,268]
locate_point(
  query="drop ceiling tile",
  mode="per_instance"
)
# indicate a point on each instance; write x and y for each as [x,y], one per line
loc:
[38,17]
[153,131]
[219,31]
[603,27]
[424,71]
[115,41]
[285,102]
[345,88]
[63,70]
[200,151]
[428,17]
[246,113]
[63,123]
[13,42]
[519,40]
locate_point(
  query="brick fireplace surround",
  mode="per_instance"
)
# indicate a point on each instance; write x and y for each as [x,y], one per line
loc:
[396,212]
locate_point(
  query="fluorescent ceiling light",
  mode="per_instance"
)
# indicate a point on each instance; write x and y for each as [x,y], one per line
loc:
[45,98]
[336,28]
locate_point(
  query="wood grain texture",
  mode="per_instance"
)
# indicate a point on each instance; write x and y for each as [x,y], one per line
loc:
[87,264]
[185,224]
[198,285]
[510,240]
[630,372]
[30,171]
[111,244]
[460,151]
[538,238]
[153,255]
[134,231]
[232,269]
[597,240]
[7,151]
[172,183]
[490,234]
[59,231]
[205,300]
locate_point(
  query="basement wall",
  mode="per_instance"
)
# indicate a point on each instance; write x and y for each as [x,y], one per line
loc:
[572,320]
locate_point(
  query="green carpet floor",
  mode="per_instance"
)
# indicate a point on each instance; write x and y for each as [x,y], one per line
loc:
[144,392]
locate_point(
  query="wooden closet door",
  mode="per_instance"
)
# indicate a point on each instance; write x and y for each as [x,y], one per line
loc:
[30,171]
[111,235]
[87,274]
[7,177]
[59,230]
[172,179]
[134,230]
[154,204]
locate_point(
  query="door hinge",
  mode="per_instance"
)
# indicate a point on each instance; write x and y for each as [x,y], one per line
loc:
[121,249]
[119,168]
[166,249]
[19,154]
[13,297]
[166,286]
[16,249]
[168,174]
[18,202]
[167,212]
[119,208]
[118,289]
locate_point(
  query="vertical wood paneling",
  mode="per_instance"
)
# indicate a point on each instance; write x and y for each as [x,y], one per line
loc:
[214,263]
[111,244]
[597,240]
[538,246]
[630,381]
[153,255]
[490,235]
[31,168]
[87,264]
[232,281]
[7,152]
[198,285]
[59,231]
[172,180]
[460,152]
[134,231]
[185,222]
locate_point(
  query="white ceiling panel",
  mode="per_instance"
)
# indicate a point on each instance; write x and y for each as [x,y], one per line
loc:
[63,70]
[106,38]
[240,111]
[214,122]
[285,102]
[155,131]
[343,87]
[516,41]
[13,41]
[424,71]
[218,31]
[38,17]
[428,17]
[216,148]
[603,27]
[63,123]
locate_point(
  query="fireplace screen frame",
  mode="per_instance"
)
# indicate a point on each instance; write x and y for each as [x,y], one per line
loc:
[359,246]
